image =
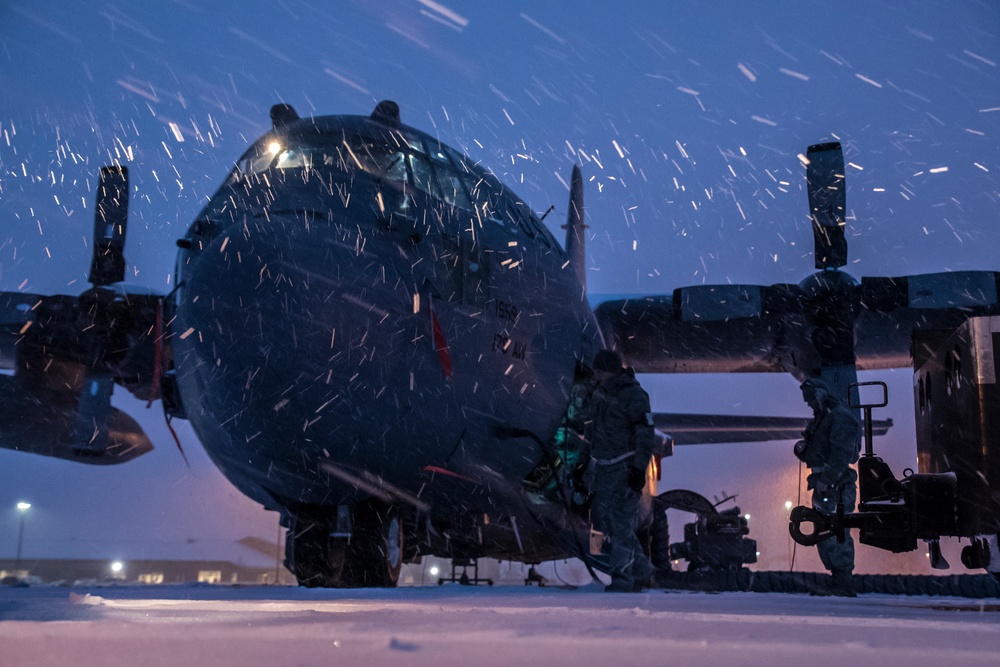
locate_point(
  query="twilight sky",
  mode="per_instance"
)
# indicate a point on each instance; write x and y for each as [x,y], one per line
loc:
[686,116]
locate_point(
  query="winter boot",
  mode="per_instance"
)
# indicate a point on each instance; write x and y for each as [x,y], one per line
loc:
[620,585]
[842,584]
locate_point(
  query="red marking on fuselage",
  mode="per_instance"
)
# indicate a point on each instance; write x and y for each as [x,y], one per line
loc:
[441,345]
[443,471]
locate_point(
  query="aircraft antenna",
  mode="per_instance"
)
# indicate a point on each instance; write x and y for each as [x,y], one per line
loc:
[387,113]
[576,236]
[282,115]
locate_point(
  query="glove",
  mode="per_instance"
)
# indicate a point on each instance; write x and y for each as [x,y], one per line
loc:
[636,479]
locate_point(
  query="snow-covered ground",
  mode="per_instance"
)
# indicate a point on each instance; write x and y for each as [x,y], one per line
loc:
[502,625]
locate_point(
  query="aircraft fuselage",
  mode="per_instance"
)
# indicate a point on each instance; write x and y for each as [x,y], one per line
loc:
[360,306]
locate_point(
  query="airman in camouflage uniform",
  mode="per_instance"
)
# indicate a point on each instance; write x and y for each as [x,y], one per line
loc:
[830,444]
[620,440]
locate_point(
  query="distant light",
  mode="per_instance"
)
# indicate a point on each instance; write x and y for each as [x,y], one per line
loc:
[273,147]
[746,516]
[788,504]
[23,506]
[117,566]
[758,554]
[434,570]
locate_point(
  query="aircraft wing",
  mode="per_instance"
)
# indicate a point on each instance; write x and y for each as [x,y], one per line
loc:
[891,308]
[781,328]
[697,429]
[662,334]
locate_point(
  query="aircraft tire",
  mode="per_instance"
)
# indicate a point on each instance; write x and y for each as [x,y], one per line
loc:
[376,553]
[312,555]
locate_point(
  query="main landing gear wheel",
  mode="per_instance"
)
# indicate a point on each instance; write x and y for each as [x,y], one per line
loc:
[312,555]
[375,557]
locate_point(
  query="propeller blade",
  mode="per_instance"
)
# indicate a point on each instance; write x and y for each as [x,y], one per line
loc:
[575,226]
[827,203]
[110,223]
[91,430]
[831,308]
[839,378]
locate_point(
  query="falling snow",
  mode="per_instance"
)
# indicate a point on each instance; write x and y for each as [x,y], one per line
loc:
[690,124]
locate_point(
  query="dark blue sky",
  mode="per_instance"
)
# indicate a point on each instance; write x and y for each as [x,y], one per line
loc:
[687,118]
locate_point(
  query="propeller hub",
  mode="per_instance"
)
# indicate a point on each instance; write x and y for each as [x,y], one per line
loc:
[831,299]
[828,281]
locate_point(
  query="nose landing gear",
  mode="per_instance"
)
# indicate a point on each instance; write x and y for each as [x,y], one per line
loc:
[336,548]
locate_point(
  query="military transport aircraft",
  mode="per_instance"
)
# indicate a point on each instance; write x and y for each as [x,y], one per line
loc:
[369,334]
[830,326]
[373,336]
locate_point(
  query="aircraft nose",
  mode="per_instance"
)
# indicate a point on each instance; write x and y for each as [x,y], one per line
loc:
[286,299]
[309,338]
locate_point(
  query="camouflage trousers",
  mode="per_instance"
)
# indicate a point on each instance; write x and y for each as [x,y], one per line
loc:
[615,512]
[836,556]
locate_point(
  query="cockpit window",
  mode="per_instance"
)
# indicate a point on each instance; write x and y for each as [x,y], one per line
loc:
[377,157]
[497,205]
[304,171]
[446,164]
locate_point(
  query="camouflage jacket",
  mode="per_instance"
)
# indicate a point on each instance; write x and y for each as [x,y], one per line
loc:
[619,421]
[832,444]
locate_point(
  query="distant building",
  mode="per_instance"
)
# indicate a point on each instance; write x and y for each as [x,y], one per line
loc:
[71,571]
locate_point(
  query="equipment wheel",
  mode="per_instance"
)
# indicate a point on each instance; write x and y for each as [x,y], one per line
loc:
[659,539]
